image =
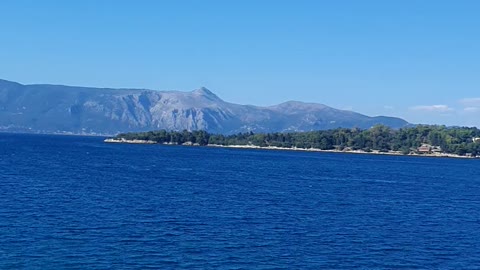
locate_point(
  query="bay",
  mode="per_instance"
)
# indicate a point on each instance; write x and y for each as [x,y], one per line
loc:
[70,202]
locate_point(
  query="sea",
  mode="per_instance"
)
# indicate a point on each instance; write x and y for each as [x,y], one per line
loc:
[73,202]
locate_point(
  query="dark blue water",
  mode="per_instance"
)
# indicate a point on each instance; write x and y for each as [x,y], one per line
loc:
[75,202]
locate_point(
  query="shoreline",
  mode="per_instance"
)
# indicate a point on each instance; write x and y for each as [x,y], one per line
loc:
[373,152]
[122,140]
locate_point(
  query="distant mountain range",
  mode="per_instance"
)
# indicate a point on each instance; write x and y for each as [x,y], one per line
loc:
[43,108]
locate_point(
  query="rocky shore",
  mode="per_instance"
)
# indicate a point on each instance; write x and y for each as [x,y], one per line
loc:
[122,140]
[373,152]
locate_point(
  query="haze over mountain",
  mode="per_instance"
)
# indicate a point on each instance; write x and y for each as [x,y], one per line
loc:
[47,108]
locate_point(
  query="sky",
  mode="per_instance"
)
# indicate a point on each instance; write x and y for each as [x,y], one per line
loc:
[419,60]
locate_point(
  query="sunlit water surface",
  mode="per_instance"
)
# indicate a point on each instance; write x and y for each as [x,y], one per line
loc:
[75,202]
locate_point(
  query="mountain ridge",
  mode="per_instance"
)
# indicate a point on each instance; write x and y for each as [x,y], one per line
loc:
[50,108]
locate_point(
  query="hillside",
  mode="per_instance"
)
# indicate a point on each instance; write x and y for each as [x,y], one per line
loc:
[46,108]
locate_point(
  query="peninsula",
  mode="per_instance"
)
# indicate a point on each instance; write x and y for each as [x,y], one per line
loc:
[419,140]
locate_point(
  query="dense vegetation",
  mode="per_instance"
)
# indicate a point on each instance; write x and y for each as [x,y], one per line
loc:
[456,140]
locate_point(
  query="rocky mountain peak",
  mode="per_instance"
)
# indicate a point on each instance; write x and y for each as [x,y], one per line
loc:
[204,92]
[58,109]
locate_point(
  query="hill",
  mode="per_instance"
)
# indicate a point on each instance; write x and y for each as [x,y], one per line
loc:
[44,108]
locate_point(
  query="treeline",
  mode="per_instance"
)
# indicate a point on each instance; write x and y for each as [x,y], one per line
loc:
[455,140]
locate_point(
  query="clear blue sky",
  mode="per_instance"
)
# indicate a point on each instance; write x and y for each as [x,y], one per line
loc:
[419,60]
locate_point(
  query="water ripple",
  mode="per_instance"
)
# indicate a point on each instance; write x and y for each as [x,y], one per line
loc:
[76,203]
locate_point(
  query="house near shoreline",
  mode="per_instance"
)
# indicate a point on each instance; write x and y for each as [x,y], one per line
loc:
[424,149]
[428,149]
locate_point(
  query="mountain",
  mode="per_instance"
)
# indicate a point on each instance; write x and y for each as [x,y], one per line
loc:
[44,108]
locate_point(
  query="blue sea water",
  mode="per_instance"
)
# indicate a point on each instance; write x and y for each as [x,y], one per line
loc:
[70,202]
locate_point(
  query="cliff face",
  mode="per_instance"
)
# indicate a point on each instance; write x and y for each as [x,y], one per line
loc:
[56,108]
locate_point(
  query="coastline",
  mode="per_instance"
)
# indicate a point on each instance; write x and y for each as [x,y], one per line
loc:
[122,140]
[373,152]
